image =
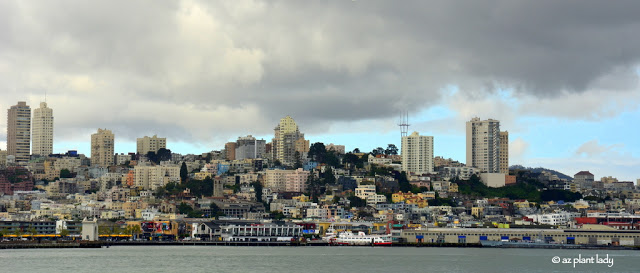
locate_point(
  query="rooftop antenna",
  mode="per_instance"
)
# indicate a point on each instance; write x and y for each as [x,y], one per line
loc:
[404,124]
[45,96]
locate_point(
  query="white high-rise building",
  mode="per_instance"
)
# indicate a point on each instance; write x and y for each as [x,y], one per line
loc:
[483,146]
[417,154]
[42,135]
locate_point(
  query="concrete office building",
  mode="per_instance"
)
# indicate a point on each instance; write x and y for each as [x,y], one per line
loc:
[102,148]
[150,144]
[483,145]
[417,154]
[19,132]
[42,136]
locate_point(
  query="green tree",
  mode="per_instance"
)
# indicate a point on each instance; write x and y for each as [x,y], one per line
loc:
[215,210]
[17,232]
[32,231]
[64,233]
[356,150]
[403,182]
[377,151]
[153,157]
[363,214]
[184,208]
[328,176]
[184,173]
[64,173]
[298,163]
[257,186]
[163,155]
[391,150]
[351,158]
[317,152]
[357,202]
[278,215]
[331,159]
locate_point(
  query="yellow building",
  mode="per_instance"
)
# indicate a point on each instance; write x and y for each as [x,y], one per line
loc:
[202,175]
[453,187]
[301,198]
[477,211]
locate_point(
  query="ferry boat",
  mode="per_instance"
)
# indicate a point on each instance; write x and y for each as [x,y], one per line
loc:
[348,238]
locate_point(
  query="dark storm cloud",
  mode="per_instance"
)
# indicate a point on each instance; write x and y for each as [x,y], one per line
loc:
[226,67]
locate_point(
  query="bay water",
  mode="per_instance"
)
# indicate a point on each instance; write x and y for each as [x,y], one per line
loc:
[315,259]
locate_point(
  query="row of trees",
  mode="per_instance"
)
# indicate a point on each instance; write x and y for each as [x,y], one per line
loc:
[391,149]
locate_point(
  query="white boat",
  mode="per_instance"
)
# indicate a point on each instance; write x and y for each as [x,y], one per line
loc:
[348,238]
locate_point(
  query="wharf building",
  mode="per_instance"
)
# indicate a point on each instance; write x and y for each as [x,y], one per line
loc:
[19,132]
[586,236]
[261,232]
[245,231]
[42,136]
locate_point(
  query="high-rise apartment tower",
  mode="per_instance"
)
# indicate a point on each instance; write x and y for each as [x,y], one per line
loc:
[102,148]
[484,145]
[42,136]
[417,153]
[19,132]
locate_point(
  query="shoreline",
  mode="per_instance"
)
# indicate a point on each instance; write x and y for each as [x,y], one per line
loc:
[105,244]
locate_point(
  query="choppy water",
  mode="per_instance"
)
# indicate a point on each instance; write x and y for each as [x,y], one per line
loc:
[307,259]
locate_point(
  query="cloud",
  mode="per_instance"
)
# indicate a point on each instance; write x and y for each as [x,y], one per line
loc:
[206,72]
[593,149]
[517,150]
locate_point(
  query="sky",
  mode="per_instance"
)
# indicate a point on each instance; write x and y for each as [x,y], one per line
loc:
[561,76]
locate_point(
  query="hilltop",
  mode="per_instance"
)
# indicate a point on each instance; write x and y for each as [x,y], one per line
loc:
[540,169]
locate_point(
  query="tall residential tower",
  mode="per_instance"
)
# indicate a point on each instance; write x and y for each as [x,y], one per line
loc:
[42,137]
[484,145]
[504,152]
[102,148]
[19,132]
[287,137]
[417,153]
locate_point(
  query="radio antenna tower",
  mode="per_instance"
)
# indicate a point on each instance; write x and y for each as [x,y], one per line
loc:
[404,124]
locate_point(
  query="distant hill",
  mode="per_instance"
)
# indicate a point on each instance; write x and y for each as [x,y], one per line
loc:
[539,170]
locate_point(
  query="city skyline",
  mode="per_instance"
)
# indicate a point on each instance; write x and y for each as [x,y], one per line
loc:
[568,98]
